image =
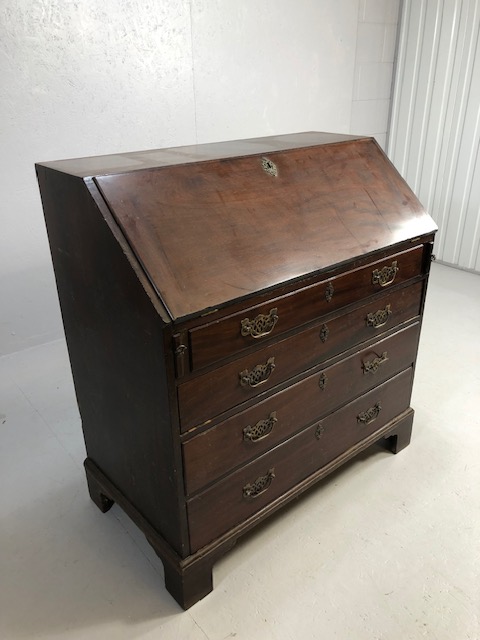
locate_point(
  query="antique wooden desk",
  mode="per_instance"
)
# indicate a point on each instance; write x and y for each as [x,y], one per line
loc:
[241,319]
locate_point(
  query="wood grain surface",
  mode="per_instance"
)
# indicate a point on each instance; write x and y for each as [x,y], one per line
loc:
[212,232]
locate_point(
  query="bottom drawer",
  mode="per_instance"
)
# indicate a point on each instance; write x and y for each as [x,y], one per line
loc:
[243,493]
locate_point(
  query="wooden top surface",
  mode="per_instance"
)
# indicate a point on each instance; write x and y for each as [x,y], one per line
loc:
[151,158]
[211,232]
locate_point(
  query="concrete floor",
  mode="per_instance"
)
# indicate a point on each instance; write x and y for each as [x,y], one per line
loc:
[386,548]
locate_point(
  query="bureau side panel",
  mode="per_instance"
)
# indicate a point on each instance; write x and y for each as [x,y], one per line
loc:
[115,339]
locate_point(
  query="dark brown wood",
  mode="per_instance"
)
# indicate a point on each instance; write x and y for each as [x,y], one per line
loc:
[98,493]
[401,436]
[292,355]
[151,158]
[189,585]
[115,342]
[188,580]
[218,340]
[381,435]
[159,256]
[218,450]
[321,197]
[221,507]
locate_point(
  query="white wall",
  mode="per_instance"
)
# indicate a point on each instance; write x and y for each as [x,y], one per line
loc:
[376,44]
[84,78]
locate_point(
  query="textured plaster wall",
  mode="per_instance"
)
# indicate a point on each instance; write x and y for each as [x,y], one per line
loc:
[77,78]
[374,60]
[275,66]
[87,77]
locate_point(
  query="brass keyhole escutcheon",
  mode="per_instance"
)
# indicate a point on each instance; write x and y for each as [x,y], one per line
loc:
[269,167]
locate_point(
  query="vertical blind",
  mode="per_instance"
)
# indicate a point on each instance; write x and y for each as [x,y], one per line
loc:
[435,120]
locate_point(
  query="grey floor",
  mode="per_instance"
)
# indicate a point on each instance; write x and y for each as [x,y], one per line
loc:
[386,548]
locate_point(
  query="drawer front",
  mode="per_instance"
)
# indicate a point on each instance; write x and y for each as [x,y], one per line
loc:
[243,437]
[208,395]
[221,339]
[244,492]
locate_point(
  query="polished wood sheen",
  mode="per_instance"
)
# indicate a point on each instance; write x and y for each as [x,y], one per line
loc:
[237,209]
[242,318]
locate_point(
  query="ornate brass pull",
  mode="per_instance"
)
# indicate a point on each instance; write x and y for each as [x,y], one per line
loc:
[260,326]
[379,318]
[258,375]
[385,276]
[260,485]
[260,430]
[372,366]
[329,291]
[368,416]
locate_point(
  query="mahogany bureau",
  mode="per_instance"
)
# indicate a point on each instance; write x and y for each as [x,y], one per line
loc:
[241,319]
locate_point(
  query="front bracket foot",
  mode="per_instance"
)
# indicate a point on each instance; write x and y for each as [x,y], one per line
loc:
[190,584]
[400,437]
[189,580]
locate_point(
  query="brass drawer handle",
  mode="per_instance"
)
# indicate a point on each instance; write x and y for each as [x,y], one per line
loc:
[385,276]
[260,326]
[372,366]
[258,375]
[368,416]
[379,318]
[261,430]
[260,485]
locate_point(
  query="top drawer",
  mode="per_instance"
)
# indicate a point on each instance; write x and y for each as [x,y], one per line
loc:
[220,339]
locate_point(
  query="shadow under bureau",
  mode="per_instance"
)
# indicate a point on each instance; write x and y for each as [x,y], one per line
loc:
[241,319]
